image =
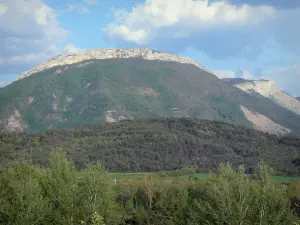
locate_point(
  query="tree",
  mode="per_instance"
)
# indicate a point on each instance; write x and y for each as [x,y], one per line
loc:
[21,195]
[231,197]
[96,196]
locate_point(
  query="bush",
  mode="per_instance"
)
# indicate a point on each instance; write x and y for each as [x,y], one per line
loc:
[231,197]
[55,195]
[32,195]
[21,195]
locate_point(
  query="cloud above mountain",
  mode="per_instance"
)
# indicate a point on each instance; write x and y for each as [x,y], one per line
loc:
[4,83]
[275,3]
[221,29]
[234,74]
[29,33]
[287,78]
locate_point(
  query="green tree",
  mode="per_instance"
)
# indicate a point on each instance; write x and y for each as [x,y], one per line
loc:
[96,195]
[61,189]
[21,195]
[271,205]
[231,197]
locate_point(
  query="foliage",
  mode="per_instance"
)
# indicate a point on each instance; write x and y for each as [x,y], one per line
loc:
[33,195]
[228,197]
[231,197]
[21,199]
[162,144]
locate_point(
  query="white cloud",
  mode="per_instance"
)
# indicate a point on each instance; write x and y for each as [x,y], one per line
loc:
[34,58]
[218,28]
[247,75]
[231,74]
[29,33]
[224,74]
[287,78]
[4,83]
[78,8]
[25,19]
[91,2]
[3,8]
[71,49]
[159,19]
[82,7]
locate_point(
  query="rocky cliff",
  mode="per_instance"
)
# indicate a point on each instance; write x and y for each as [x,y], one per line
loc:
[109,53]
[268,89]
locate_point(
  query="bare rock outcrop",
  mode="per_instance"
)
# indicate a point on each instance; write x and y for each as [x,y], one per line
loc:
[263,123]
[268,89]
[109,53]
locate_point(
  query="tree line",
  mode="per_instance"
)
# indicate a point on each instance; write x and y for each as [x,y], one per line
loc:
[162,144]
[56,194]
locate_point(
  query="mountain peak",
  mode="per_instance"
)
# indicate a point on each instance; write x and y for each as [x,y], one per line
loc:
[109,53]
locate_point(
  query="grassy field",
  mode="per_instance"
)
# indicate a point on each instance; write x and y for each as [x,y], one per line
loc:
[126,175]
[285,179]
[195,175]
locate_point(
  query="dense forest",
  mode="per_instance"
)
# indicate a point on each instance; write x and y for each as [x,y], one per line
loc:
[157,145]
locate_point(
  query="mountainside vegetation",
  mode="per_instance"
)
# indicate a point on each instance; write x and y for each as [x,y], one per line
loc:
[157,145]
[96,91]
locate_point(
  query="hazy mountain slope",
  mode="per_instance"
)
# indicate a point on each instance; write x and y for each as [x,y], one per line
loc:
[101,90]
[298,98]
[269,90]
[157,145]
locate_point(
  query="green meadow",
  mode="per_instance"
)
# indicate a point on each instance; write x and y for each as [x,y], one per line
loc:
[192,175]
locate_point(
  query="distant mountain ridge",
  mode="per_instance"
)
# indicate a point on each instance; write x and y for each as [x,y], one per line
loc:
[268,89]
[69,91]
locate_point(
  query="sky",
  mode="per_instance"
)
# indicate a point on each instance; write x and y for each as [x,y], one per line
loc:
[252,39]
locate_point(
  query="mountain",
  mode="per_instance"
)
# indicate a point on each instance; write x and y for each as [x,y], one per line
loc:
[298,98]
[116,84]
[269,90]
[157,145]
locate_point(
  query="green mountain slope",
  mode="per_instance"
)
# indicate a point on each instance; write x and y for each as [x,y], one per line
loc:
[156,145]
[113,89]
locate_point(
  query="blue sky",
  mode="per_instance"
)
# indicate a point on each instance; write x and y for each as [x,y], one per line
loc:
[252,39]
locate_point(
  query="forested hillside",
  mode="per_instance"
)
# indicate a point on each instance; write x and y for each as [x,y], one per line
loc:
[157,145]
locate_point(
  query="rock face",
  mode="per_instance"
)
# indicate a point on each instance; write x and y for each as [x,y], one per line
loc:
[14,122]
[263,123]
[268,89]
[109,53]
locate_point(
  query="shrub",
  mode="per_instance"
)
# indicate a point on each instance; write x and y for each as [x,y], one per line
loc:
[55,195]
[231,197]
